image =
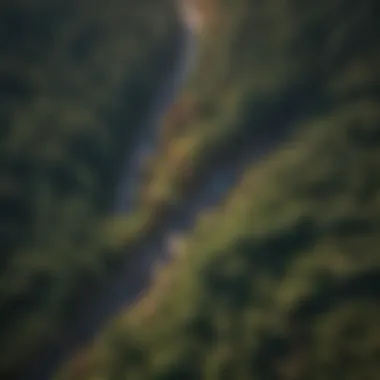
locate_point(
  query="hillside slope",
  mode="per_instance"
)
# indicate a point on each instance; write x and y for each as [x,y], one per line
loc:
[76,81]
[282,280]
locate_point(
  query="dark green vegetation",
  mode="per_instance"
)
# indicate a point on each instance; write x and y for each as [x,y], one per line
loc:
[75,81]
[282,281]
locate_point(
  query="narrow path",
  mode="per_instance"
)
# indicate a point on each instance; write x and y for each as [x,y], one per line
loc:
[149,130]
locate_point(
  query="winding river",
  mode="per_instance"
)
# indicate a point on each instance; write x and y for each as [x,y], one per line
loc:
[135,275]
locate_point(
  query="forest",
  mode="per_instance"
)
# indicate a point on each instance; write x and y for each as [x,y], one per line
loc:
[266,166]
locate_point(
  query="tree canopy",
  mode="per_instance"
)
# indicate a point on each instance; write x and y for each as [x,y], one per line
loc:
[76,78]
[282,280]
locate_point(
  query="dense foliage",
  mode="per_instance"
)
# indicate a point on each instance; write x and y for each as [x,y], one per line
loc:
[282,281]
[76,78]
